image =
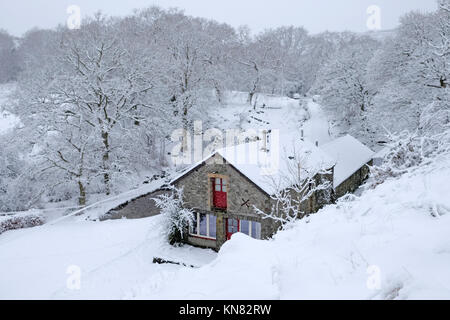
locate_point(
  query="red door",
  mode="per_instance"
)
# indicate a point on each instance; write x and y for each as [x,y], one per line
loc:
[219,193]
[233,226]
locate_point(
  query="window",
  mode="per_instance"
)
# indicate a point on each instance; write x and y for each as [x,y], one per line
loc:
[219,195]
[218,186]
[204,226]
[245,227]
[256,230]
[194,228]
[212,226]
[232,227]
[250,228]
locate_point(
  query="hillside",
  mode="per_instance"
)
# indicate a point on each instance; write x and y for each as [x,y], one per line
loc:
[164,153]
[389,243]
[136,242]
[290,116]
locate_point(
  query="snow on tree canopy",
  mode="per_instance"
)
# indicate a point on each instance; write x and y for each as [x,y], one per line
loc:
[349,155]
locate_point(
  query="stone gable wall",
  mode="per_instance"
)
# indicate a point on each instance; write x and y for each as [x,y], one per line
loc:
[141,207]
[354,181]
[198,196]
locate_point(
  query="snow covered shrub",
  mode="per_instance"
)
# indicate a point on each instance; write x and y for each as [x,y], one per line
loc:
[435,118]
[290,204]
[19,221]
[177,219]
[406,151]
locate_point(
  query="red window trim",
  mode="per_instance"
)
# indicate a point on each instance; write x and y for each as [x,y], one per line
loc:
[239,227]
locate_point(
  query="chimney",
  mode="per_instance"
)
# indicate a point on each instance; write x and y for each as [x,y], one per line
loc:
[317,143]
[301,135]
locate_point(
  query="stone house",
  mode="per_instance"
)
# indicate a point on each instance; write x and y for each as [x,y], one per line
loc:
[224,188]
[223,191]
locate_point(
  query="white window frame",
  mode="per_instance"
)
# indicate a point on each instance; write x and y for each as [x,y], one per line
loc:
[250,229]
[207,228]
[250,223]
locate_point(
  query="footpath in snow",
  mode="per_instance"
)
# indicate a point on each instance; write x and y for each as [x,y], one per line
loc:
[290,116]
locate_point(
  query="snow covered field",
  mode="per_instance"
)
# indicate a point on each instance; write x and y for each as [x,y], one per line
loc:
[112,257]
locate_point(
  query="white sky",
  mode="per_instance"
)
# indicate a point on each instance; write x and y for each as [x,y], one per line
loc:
[18,16]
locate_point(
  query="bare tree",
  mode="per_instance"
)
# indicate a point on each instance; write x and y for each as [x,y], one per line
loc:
[105,82]
[297,189]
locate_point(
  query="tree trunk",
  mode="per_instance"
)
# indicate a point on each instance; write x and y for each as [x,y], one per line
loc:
[162,153]
[250,97]
[105,165]
[184,146]
[218,93]
[81,187]
[255,85]
[82,194]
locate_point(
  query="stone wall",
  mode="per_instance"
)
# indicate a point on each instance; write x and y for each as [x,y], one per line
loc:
[242,195]
[354,181]
[322,197]
[140,207]
[198,193]
[202,242]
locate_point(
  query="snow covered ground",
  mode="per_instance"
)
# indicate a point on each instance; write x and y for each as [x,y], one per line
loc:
[390,243]
[112,257]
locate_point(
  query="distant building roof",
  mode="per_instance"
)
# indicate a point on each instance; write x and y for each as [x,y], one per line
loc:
[349,154]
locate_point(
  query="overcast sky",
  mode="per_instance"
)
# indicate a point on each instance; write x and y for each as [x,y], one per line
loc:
[18,16]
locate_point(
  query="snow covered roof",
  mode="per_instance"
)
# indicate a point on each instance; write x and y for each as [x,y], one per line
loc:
[349,154]
[275,168]
[381,153]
